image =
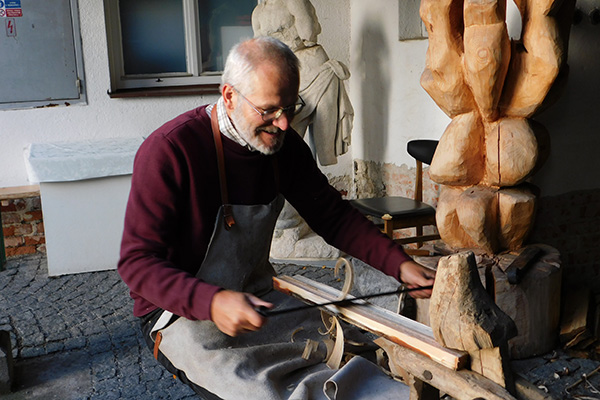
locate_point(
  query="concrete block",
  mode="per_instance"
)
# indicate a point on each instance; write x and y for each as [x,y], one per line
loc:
[6,363]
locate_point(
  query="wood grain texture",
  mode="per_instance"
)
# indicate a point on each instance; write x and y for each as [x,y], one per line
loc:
[394,327]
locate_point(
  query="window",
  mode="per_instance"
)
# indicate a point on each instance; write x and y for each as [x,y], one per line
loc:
[172,45]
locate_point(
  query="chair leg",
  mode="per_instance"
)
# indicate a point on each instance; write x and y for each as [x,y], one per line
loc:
[419,230]
[388,228]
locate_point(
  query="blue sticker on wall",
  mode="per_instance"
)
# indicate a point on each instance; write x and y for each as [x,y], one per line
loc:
[12,3]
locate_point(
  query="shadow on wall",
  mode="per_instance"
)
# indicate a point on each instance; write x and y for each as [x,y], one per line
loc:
[573,120]
[374,91]
[568,215]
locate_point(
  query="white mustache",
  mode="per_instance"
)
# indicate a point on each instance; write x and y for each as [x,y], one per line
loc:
[271,130]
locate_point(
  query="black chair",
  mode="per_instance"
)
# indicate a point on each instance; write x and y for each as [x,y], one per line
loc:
[401,212]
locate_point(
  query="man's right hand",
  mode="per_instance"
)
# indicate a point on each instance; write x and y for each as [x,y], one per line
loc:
[234,313]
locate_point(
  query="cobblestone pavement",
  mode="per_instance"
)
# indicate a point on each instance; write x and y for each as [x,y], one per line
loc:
[75,337]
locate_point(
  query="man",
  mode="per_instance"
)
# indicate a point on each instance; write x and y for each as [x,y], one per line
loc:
[206,191]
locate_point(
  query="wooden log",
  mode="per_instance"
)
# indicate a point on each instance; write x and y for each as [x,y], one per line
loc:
[516,208]
[486,59]
[511,151]
[462,314]
[396,328]
[575,316]
[533,303]
[486,12]
[477,211]
[494,364]
[538,60]
[451,232]
[459,156]
[460,385]
[420,390]
[464,317]
[442,77]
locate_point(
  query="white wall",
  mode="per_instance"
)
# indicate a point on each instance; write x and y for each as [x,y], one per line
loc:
[102,117]
[390,106]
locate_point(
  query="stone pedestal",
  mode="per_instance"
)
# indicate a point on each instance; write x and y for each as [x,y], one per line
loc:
[294,240]
[84,188]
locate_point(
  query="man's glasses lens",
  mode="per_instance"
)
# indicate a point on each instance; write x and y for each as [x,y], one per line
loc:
[270,115]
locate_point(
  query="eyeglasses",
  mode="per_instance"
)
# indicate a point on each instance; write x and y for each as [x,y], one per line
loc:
[275,113]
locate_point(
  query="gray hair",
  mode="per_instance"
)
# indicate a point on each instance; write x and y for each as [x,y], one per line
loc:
[246,56]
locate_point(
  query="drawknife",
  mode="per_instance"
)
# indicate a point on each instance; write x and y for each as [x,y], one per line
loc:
[269,312]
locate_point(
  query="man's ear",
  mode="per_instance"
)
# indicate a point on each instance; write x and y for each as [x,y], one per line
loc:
[228,96]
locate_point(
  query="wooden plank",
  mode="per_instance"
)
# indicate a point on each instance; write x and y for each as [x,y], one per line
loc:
[396,328]
[19,192]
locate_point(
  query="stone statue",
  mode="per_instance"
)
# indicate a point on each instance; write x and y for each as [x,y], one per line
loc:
[328,113]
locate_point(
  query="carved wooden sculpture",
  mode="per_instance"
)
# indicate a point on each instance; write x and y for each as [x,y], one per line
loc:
[491,87]
[464,317]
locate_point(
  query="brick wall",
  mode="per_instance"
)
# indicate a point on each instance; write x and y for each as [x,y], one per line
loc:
[23,226]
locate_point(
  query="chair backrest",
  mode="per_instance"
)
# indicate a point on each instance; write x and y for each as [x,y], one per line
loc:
[422,150]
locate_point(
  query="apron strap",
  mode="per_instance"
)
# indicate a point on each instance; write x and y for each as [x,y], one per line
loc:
[227,212]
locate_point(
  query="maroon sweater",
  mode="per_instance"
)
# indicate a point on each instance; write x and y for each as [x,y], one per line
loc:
[174,201]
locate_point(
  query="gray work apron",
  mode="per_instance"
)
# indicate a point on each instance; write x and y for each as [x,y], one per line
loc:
[266,364]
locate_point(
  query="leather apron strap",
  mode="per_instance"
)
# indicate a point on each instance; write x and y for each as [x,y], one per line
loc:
[228,214]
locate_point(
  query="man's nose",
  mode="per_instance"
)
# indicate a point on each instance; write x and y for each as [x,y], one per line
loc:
[283,122]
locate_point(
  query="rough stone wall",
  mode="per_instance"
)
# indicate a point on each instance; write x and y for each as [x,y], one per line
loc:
[23,226]
[570,222]
[385,179]
[372,179]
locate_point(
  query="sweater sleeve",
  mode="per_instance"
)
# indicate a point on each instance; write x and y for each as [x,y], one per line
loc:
[150,231]
[340,224]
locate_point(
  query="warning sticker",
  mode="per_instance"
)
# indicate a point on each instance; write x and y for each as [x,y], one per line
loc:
[17,12]
[10,8]
[11,30]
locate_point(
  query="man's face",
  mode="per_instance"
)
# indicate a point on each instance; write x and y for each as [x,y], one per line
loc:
[271,91]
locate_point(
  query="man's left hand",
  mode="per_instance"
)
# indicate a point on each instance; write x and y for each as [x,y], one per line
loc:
[415,275]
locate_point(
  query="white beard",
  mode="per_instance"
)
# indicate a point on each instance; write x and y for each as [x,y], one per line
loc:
[252,135]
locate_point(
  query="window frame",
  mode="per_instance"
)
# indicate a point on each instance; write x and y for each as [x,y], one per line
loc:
[162,84]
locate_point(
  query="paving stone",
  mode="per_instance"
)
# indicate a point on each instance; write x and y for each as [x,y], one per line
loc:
[6,363]
[88,317]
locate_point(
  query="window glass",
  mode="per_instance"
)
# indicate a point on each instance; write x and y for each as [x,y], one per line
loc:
[153,35]
[222,24]
[172,43]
